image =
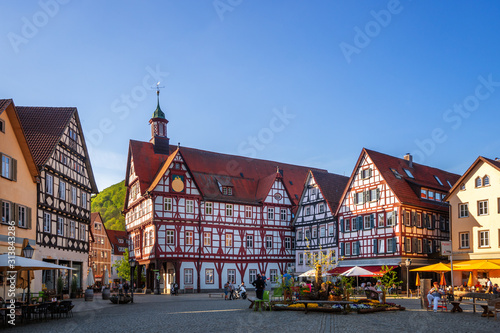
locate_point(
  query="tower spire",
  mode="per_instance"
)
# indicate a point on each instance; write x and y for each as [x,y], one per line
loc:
[159,123]
[158,112]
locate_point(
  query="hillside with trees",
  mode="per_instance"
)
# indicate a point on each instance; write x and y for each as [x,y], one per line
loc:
[109,202]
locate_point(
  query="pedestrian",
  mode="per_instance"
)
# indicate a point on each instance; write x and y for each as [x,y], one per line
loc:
[259,285]
[489,286]
[120,288]
[226,290]
[126,287]
[264,278]
[231,291]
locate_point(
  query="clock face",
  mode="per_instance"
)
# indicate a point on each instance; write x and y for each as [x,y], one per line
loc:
[177,183]
[278,196]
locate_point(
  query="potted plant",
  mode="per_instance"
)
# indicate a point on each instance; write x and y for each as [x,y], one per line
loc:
[74,288]
[60,286]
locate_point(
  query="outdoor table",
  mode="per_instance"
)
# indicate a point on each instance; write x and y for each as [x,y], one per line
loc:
[343,303]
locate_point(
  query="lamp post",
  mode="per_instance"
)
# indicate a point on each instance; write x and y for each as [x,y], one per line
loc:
[28,253]
[408,264]
[132,263]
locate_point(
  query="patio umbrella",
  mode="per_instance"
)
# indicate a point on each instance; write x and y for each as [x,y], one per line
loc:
[16,263]
[469,283]
[481,265]
[357,271]
[443,280]
[90,277]
[105,279]
[312,273]
[439,267]
[417,283]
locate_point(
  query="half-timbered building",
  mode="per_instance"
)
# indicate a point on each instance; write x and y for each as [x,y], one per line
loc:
[315,223]
[393,210]
[99,249]
[200,218]
[56,140]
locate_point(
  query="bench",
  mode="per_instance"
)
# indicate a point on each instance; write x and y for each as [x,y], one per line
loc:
[343,303]
[457,308]
[221,295]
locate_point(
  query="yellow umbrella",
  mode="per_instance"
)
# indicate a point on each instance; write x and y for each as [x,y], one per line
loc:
[469,283]
[439,267]
[481,265]
[417,283]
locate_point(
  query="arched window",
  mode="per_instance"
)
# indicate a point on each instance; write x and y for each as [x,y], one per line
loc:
[486,180]
[478,182]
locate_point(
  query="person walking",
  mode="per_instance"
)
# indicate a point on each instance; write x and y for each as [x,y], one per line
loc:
[231,291]
[259,285]
[226,290]
[126,287]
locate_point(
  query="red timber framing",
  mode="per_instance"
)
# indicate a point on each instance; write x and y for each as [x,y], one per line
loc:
[212,217]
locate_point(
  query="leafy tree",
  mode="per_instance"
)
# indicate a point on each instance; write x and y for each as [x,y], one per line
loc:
[109,203]
[389,277]
[122,267]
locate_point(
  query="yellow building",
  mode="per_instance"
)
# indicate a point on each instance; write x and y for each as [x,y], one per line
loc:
[475,218]
[18,182]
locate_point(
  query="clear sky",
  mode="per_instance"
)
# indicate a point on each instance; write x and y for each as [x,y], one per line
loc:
[302,82]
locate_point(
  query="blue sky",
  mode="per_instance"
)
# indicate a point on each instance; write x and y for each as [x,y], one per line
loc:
[302,82]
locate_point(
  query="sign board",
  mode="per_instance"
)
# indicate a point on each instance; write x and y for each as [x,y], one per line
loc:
[446,248]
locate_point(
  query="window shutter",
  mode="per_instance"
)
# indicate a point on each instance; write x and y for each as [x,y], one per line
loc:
[15,213]
[1,164]
[13,174]
[341,225]
[433,221]
[404,217]
[375,244]
[394,245]
[360,222]
[372,220]
[358,244]
[369,173]
[414,245]
[342,251]
[413,219]
[424,246]
[28,218]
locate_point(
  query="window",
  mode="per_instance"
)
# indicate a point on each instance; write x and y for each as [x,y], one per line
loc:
[419,245]
[478,182]
[313,193]
[391,219]
[62,190]
[482,207]
[308,210]
[307,233]
[248,213]
[170,237]
[321,208]
[484,238]
[374,194]
[189,238]
[430,195]
[391,245]
[464,240]
[249,241]
[168,204]
[366,173]
[273,274]
[229,210]
[408,173]
[84,200]
[208,208]
[486,181]
[229,240]
[314,233]
[355,248]
[381,247]
[231,275]
[189,206]
[46,222]
[283,214]
[73,195]
[269,242]
[330,230]
[347,249]
[438,180]
[188,276]
[252,275]
[367,222]
[209,276]
[381,220]
[348,225]
[8,167]
[6,211]
[462,187]
[60,226]
[146,238]
[299,234]
[72,231]
[423,194]
[322,231]
[270,213]
[301,259]
[49,184]
[288,243]
[463,210]
[207,239]
[358,198]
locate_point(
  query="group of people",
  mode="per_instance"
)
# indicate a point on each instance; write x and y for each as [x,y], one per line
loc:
[230,292]
[378,288]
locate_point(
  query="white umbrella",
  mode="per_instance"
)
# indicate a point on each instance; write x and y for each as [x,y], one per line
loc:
[357,271]
[90,278]
[16,263]
[312,272]
[105,279]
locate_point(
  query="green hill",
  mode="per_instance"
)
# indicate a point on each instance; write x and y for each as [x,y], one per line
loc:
[109,202]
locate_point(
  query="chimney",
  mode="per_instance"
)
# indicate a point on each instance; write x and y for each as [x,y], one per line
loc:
[409,158]
[497,159]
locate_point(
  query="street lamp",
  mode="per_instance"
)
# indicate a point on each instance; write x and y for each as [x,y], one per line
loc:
[408,264]
[132,263]
[28,253]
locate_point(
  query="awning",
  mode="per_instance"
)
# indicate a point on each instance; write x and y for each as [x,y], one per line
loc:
[376,270]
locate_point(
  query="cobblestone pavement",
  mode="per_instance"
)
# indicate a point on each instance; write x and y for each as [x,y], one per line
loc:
[199,313]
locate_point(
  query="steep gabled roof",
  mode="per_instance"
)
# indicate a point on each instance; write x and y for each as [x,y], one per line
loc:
[405,188]
[7,106]
[44,127]
[113,236]
[331,186]
[493,163]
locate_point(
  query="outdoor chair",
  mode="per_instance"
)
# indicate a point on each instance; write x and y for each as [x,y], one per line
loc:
[52,309]
[259,303]
[370,294]
[65,307]
[41,310]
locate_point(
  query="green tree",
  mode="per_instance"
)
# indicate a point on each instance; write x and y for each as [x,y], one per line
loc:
[109,203]
[389,277]
[122,267]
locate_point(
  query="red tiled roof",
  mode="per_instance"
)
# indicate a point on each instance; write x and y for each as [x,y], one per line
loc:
[113,236]
[407,189]
[44,126]
[331,186]
[250,178]
[4,103]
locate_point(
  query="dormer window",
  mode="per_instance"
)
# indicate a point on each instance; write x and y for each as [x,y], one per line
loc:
[396,173]
[366,173]
[438,180]
[449,184]
[408,173]
[227,190]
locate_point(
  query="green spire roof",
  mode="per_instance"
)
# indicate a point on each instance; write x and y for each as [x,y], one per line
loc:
[158,112]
